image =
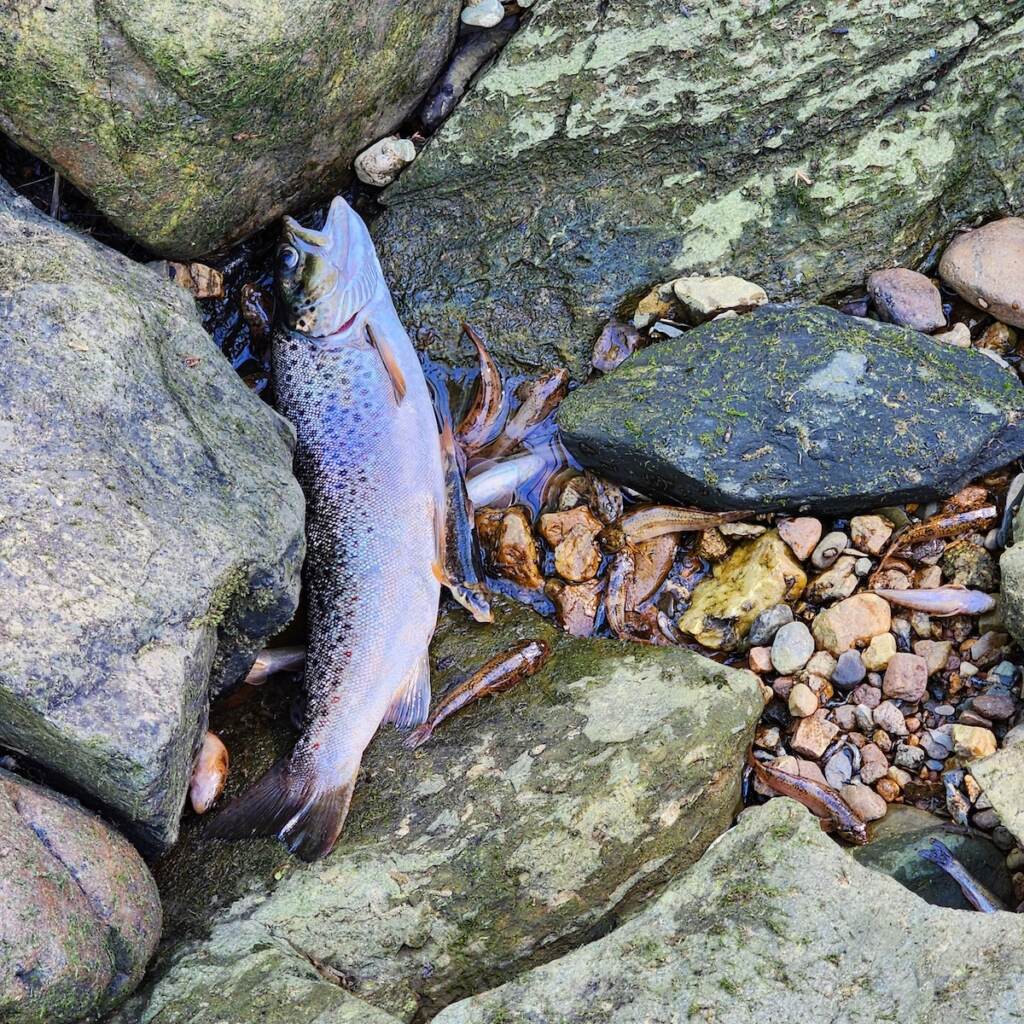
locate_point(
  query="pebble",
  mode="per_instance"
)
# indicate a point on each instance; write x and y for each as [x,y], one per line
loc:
[801,534]
[898,775]
[994,705]
[767,737]
[792,648]
[657,303]
[802,701]
[945,710]
[864,717]
[986,267]
[812,736]
[1015,859]
[864,802]
[846,717]
[829,548]
[908,757]
[874,764]
[483,13]
[935,653]
[888,790]
[836,583]
[1005,672]
[906,678]
[937,743]
[986,820]
[967,670]
[928,577]
[958,334]
[862,566]
[768,623]
[907,298]
[999,337]
[973,741]
[870,533]
[921,624]
[849,670]
[839,769]
[760,660]
[968,716]
[1003,838]
[851,621]
[879,652]
[705,297]
[890,718]
[933,765]
[821,664]
[380,164]
[868,695]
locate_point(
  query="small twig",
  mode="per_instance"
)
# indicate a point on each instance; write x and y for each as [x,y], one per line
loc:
[55,196]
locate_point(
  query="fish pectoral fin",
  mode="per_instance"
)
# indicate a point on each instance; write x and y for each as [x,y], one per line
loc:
[411,702]
[387,357]
[305,812]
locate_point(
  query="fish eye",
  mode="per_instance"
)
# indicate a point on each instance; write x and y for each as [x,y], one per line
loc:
[288,257]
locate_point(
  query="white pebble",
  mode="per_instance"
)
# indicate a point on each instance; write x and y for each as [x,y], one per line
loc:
[379,165]
[484,13]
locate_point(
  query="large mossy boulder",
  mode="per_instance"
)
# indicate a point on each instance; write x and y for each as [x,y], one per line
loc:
[151,531]
[530,823]
[614,146]
[776,924]
[798,409]
[79,911]
[190,124]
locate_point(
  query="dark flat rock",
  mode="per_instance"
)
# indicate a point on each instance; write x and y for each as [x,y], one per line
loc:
[798,409]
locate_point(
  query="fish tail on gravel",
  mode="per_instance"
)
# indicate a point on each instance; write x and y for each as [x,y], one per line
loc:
[292,804]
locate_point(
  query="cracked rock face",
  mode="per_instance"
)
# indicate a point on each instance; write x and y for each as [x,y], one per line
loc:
[777,923]
[530,823]
[798,409]
[192,125]
[151,531]
[79,911]
[614,146]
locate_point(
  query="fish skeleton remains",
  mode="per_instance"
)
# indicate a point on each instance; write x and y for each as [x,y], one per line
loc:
[368,457]
[499,674]
[823,801]
[974,892]
[941,601]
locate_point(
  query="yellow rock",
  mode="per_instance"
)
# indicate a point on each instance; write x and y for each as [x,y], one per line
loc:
[754,577]
[973,741]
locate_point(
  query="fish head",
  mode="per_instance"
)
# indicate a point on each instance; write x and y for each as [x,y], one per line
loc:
[326,278]
[854,832]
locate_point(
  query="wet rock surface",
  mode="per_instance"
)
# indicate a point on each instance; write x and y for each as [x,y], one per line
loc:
[797,409]
[771,925]
[79,910]
[986,266]
[530,823]
[150,528]
[190,131]
[613,147]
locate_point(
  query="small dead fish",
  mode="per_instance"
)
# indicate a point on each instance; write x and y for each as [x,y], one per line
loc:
[273,660]
[544,396]
[463,570]
[500,482]
[209,774]
[823,801]
[499,674]
[941,601]
[616,598]
[484,417]
[975,893]
[650,521]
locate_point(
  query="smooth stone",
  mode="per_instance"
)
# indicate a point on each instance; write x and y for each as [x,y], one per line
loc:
[986,267]
[483,13]
[874,764]
[835,583]
[383,161]
[79,911]
[495,836]
[697,421]
[999,776]
[895,848]
[879,652]
[560,114]
[190,129]
[812,735]
[958,335]
[801,534]
[849,670]
[937,743]
[865,802]
[935,653]
[906,677]
[792,648]
[851,621]
[802,701]
[870,533]
[703,298]
[768,623]
[973,741]
[890,718]
[839,769]
[907,298]
[808,911]
[153,530]
[908,757]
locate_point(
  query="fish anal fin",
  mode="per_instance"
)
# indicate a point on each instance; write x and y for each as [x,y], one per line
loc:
[303,812]
[411,702]
[387,357]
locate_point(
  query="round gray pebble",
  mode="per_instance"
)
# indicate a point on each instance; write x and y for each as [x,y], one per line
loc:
[849,670]
[792,648]
[768,623]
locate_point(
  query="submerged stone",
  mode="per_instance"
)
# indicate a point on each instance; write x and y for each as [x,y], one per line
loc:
[777,923]
[151,531]
[530,823]
[797,409]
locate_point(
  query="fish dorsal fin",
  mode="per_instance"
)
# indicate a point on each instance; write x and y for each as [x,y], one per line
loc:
[411,702]
[387,357]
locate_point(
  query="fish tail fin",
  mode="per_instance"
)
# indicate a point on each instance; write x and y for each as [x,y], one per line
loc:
[304,813]
[939,853]
[418,736]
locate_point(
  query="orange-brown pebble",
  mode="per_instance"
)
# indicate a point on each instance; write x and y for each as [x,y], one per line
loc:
[887,790]
[913,723]
[760,660]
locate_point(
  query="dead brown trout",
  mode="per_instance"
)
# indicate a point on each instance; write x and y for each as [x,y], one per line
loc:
[484,416]
[823,801]
[649,521]
[368,457]
[499,674]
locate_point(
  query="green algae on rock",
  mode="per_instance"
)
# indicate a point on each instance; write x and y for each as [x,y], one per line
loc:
[79,911]
[531,822]
[776,923]
[151,531]
[192,125]
[615,146]
[796,409]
